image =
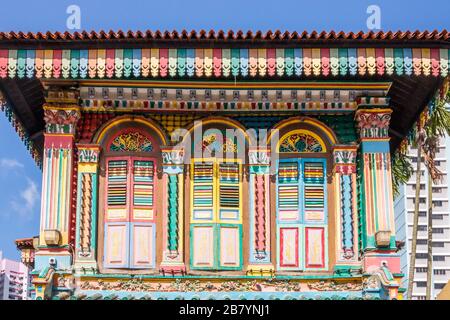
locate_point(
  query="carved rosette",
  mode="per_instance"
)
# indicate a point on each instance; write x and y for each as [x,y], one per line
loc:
[345,159]
[373,123]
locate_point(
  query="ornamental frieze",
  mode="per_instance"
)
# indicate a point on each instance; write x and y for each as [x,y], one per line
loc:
[221,62]
[226,286]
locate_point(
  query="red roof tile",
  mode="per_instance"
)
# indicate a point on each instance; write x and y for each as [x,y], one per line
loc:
[226,36]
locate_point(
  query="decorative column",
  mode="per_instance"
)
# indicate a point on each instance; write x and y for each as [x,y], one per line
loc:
[86,219]
[375,198]
[61,114]
[260,260]
[344,157]
[173,221]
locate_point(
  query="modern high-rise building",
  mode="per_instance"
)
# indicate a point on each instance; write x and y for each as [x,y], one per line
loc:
[404,213]
[14,280]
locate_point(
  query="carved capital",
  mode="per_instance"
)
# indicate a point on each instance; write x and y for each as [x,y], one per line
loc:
[344,158]
[88,153]
[259,157]
[373,123]
[61,119]
[173,159]
[172,156]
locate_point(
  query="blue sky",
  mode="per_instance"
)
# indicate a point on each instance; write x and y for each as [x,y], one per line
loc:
[20,179]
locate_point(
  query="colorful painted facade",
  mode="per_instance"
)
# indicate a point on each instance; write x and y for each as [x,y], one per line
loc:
[225,168]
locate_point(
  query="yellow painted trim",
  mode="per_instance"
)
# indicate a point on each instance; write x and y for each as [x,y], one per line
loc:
[327,131]
[59,134]
[216,187]
[385,110]
[376,139]
[314,135]
[219,120]
[115,122]
[87,167]
[239,161]
[73,106]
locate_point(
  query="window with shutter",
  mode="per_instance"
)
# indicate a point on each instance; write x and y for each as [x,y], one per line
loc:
[301,214]
[216,214]
[129,216]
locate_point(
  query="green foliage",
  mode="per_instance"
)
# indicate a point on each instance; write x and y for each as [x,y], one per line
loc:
[438,124]
[402,171]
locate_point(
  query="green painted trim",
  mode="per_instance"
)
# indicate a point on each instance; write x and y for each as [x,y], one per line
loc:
[229,225]
[173,212]
[94,214]
[236,277]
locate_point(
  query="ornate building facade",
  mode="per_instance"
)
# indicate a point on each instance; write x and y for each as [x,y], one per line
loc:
[212,165]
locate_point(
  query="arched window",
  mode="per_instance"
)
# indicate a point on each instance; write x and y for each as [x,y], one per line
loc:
[131,156]
[301,201]
[216,200]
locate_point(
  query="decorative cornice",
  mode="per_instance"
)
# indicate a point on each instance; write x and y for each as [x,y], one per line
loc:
[216,62]
[223,96]
[20,129]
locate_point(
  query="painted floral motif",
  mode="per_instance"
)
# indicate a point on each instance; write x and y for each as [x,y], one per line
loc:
[131,141]
[212,144]
[333,286]
[179,285]
[300,142]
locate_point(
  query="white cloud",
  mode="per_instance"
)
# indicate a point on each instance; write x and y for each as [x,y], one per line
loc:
[10,163]
[28,199]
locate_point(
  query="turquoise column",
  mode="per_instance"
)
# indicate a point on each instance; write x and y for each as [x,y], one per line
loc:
[173,233]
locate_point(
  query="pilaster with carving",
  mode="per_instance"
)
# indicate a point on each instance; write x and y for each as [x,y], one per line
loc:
[173,175]
[344,158]
[260,260]
[86,218]
[61,114]
[376,179]
[60,123]
[375,201]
